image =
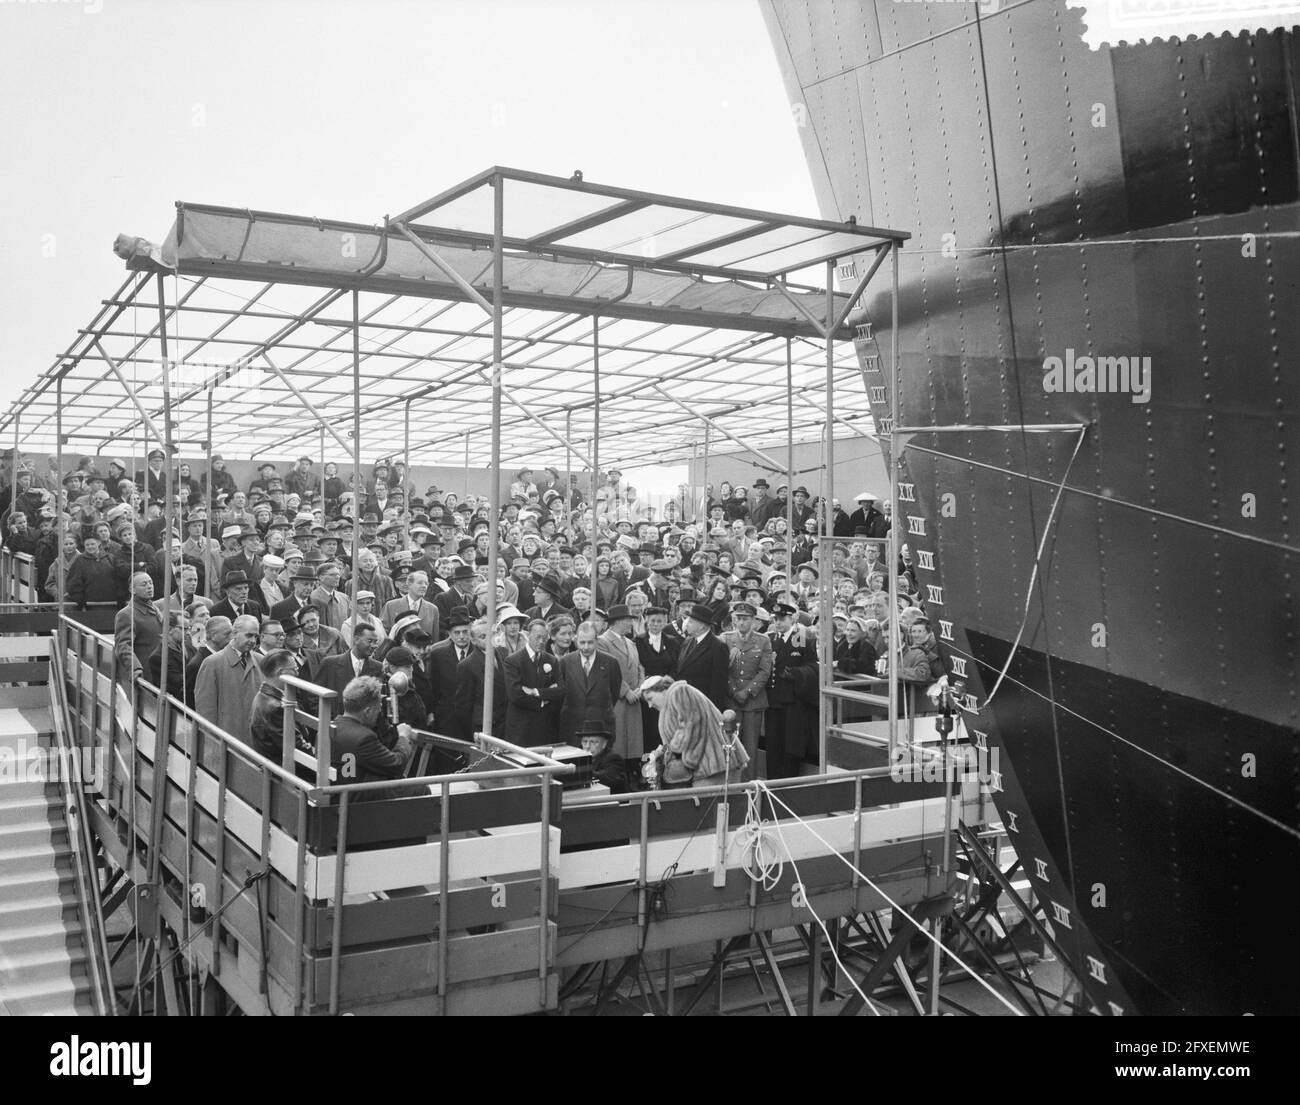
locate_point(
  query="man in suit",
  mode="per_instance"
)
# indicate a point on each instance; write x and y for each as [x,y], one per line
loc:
[592,683]
[237,603]
[533,690]
[463,581]
[247,559]
[329,601]
[318,641]
[414,602]
[748,675]
[336,672]
[470,675]
[217,632]
[658,652]
[616,642]
[228,682]
[441,665]
[304,582]
[704,660]
[358,752]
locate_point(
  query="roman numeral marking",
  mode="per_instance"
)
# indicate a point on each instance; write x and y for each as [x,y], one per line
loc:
[935,594]
[916,524]
[925,559]
[1115,1010]
[847,271]
[968,701]
[907,492]
[862,332]
[877,394]
[945,630]
[981,739]
[1041,867]
[958,666]
[1061,915]
[885,425]
[1097,969]
[995,781]
[1011,821]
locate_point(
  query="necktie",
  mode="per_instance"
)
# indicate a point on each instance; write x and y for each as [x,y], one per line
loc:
[243,661]
[460,655]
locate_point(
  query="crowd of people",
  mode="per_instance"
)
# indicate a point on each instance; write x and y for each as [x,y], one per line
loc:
[602,609]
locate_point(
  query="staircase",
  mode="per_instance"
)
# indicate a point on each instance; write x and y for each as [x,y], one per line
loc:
[43,966]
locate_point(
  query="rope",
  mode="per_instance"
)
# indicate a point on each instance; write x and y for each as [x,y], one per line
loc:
[1147,752]
[1033,575]
[898,909]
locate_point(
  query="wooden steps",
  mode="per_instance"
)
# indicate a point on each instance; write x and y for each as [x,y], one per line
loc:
[43,965]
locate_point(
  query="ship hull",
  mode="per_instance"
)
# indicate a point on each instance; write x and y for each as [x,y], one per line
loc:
[1070,204]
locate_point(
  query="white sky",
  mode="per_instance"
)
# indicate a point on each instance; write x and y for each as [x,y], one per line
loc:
[351,109]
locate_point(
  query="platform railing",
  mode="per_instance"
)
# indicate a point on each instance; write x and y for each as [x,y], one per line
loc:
[207,811]
[90,906]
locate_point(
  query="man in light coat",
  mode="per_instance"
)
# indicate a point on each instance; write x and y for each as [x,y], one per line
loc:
[616,643]
[228,682]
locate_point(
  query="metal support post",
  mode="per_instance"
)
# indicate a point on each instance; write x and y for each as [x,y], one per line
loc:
[494,488]
[826,590]
[894,643]
[60,564]
[356,440]
[595,448]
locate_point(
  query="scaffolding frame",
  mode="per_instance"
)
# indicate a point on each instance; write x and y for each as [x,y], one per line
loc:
[682,303]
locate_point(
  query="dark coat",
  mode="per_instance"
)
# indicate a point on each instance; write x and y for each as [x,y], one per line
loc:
[588,698]
[468,707]
[532,721]
[704,665]
[253,608]
[335,672]
[292,605]
[91,580]
[360,756]
[177,666]
[440,668]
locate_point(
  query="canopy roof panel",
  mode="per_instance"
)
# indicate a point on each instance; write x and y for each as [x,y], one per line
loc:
[684,306]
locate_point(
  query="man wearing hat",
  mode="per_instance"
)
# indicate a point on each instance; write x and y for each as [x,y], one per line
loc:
[237,603]
[533,691]
[703,661]
[265,474]
[302,480]
[616,643]
[547,592]
[303,582]
[761,509]
[463,581]
[867,516]
[248,560]
[608,768]
[791,721]
[153,481]
[443,660]
[801,510]
[471,674]
[748,674]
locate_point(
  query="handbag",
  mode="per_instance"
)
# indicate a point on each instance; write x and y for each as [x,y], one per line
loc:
[675,771]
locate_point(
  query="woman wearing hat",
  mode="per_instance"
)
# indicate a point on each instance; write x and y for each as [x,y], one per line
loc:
[694,749]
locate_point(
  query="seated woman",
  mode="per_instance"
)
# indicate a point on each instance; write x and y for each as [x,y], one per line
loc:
[694,750]
[607,766]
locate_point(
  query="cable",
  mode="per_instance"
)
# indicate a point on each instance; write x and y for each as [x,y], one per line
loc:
[1146,752]
[1038,559]
[759,862]
[898,909]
